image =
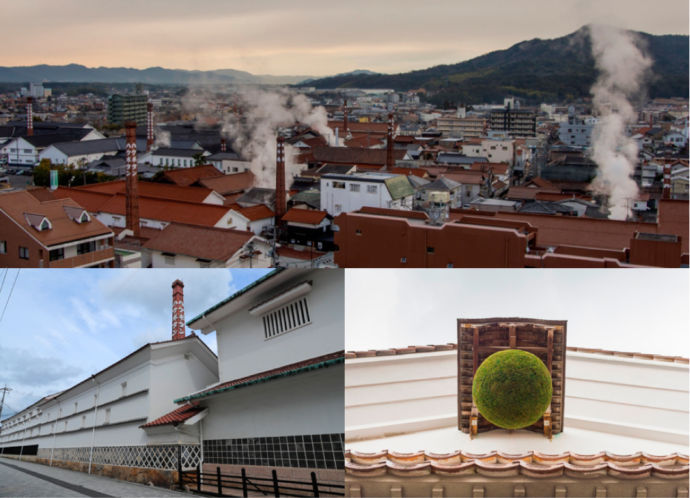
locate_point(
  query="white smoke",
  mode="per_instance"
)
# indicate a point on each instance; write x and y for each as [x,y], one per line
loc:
[253,133]
[161,138]
[622,68]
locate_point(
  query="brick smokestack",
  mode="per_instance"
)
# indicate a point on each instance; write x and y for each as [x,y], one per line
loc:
[29,116]
[149,126]
[280,180]
[132,191]
[223,145]
[345,118]
[666,193]
[178,326]
[389,143]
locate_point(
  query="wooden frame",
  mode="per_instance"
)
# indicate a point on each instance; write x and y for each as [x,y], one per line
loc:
[478,338]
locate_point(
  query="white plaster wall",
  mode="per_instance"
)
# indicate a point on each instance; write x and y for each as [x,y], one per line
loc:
[242,349]
[352,201]
[174,377]
[308,403]
[622,396]
[502,152]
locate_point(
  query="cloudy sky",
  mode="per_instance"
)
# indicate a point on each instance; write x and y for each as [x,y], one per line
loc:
[303,37]
[59,327]
[644,310]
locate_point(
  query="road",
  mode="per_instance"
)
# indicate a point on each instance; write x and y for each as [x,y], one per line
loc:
[32,479]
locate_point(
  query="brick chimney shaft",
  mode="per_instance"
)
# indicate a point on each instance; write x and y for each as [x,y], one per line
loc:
[132,191]
[280,179]
[178,325]
[149,126]
[29,116]
[389,143]
[666,193]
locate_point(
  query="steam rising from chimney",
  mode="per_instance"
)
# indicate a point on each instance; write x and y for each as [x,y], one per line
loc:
[622,68]
[253,131]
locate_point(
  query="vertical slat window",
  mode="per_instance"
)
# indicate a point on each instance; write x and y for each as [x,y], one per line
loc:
[287,318]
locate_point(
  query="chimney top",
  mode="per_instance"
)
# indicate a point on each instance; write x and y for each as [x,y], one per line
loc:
[177,282]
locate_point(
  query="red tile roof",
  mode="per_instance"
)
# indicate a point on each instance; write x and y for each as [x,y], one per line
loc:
[176,416]
[258,212]
[354,155]
[530,464]
[186,176]
[215,244]
[356,127]
[229,184]
[150,208]
[152,189]
[306,216]
[291,369]
[18,204]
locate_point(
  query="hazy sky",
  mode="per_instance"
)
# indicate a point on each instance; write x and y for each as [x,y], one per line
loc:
[302,37]
[644,310]
[61,326]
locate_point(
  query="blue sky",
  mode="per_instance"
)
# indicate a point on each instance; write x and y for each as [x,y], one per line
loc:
[61,326]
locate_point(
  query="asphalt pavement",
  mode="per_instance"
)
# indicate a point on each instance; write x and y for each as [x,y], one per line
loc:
[36,480]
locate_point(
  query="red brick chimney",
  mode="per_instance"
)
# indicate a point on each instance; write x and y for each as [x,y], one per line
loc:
[389,143]
[149,126]
[344,118]
[666,193]
[132,194]
[280,180]
[29,116]
[223,145]
[178,326]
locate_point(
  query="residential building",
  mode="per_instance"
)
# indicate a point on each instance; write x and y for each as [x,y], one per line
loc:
[79,154]
[515,122]
[345,193]
[464,127]
[577,131]
[54,233]
[123,108]
[253,219]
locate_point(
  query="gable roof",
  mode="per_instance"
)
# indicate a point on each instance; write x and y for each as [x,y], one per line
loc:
[186,176]
[152,189]
[306,216]
[175,417]
[354,155]
[17,205]
[399,187]
[228,184]
[215,244]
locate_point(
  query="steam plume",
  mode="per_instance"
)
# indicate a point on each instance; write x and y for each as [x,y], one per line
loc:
[621,70]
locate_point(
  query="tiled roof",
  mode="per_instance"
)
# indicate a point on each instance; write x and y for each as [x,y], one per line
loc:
[529,464]
[275,373]
[64,229]
[216,244]
[176,416]
[150,208]
[356,127]
[258,212]
[152,189]
[430,348]
[187,176]
[354,155]
[229,184]
[306,216]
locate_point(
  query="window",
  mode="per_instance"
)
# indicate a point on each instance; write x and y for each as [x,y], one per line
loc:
[287,318]
[23,252]
[124,388]
[86,247]
[339,185]
[354,187]
[107,416]
[372,189]
[83,421]
[3,247]
[169,258]
[338,208]
[56,254]
[75,406]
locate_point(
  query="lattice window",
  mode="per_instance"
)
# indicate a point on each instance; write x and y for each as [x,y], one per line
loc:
[287,318]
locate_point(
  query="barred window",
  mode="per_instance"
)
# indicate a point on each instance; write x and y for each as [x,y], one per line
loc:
[287,318]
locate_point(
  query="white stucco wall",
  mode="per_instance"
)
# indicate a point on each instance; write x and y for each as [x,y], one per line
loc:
[344,200]
[623,396]
[307,403]
[243,350]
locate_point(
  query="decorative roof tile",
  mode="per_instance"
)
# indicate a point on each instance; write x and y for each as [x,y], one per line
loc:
[176,416]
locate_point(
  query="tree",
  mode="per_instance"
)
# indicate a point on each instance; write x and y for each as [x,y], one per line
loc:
[199,159]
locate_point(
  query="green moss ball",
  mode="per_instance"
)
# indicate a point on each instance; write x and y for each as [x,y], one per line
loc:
[512,389]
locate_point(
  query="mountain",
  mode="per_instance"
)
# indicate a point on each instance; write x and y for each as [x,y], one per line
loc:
[356,72]
[535,70]
[151,75]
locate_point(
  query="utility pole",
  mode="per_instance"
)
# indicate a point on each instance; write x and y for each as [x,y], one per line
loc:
[4,390]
